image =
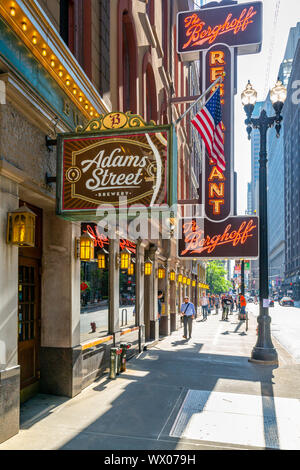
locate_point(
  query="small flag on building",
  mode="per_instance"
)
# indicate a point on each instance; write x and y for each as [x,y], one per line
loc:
[208,122]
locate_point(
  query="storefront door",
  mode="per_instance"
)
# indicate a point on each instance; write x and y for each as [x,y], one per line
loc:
[29,311]
[29,325]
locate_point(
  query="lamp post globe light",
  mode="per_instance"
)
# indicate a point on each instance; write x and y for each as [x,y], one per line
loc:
[264,351]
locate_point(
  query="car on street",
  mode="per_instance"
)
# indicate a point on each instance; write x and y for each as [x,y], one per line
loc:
[286,301]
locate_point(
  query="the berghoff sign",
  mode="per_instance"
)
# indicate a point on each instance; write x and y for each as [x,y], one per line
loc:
[237,26]
[237,237]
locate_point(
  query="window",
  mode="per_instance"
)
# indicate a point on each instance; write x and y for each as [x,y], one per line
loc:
[129,65]
[151,99]
[75,30]
[104,6]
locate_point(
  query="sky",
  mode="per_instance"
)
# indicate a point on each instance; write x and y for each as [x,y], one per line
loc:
[254,68]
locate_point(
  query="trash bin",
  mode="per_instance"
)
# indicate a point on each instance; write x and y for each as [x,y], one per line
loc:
[124,347]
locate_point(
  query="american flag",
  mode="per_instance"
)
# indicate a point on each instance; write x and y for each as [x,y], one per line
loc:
[209,124]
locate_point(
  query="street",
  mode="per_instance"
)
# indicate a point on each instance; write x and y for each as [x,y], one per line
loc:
[200,394]
[285,326]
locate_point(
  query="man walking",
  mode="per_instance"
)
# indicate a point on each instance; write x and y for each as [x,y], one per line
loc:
[188,312]
[243,303]
[204,305]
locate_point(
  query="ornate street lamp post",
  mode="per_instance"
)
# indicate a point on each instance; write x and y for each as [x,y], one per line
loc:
[264,351]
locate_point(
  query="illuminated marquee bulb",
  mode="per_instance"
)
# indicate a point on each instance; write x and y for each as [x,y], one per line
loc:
[80,99]
[68,82]
[52,63]
[24,26]
[60,73]
[44,52]
[34,39]
[12,11]
[86,106]
[74,91]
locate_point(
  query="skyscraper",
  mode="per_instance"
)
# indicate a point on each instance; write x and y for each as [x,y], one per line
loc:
[276,192]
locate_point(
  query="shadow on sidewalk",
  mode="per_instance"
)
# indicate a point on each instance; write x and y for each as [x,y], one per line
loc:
[138,410]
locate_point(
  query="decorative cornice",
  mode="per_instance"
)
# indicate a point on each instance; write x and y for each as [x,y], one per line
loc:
[30,23]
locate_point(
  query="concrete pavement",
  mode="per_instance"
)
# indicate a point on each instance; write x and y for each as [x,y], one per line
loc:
[192,395]
[285,327]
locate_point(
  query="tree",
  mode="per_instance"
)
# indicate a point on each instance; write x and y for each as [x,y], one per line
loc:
[215,277]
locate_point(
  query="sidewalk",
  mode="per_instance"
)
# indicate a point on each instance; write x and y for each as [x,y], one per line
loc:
[193,395]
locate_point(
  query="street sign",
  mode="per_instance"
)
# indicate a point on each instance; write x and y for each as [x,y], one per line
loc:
[238,26]
[237,237]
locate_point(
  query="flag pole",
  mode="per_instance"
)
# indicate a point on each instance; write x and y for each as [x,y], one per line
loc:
[219,79]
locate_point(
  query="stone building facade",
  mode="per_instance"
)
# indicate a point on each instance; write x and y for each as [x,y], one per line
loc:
[63,63]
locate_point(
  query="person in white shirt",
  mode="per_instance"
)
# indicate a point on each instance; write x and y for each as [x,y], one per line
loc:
[204,305]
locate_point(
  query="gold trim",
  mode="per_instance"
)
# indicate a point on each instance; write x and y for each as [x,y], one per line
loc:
[95,343]
[119,120]
[53,54]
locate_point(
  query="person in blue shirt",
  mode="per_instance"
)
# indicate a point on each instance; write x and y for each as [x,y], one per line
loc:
[159,301]
[188,313]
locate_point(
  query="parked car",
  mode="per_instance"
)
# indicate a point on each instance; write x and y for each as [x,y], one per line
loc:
[286,301]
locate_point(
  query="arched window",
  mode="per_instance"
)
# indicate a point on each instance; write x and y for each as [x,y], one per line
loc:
[75,30]
[151,98]
[128,70]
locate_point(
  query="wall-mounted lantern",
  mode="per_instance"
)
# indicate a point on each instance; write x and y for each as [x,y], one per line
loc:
[188,281]
[101,261]
[161,273]
[148,265]
[194,283]
[84,248]
[179,278]
[131,269]
[184,280]
[172,276]
[21,227]
[124,260]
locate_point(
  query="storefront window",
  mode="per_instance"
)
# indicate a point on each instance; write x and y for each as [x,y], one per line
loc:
[127,297]
[94,300]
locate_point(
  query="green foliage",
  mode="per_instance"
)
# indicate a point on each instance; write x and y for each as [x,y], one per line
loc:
[215,277]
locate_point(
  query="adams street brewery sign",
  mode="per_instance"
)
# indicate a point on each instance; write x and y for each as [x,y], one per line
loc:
[238,26]
[115,168]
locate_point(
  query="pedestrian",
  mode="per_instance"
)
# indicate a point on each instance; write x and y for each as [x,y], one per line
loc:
[159,303]
[243,304]
[204,305]
[209,304]
[226,302]
[217,304]
[188,313]
[231,305]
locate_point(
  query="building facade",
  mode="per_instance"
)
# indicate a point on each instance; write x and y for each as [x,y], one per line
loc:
[63,64]
[276,205]
[291,117]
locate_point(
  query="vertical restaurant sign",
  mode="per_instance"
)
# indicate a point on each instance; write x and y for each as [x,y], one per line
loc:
[236,237]
[238,26]
[217,186]
[96,169]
